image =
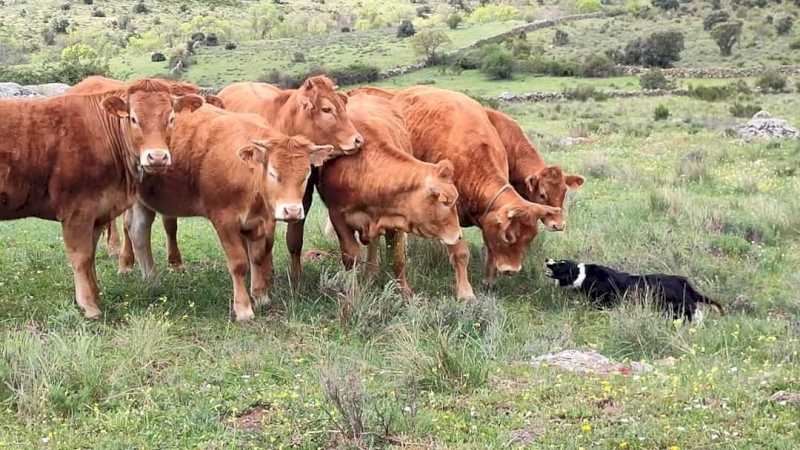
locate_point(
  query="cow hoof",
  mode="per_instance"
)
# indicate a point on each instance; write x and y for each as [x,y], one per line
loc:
[467,296]
[92,313]
[244,316]
[261,299]
[124,270]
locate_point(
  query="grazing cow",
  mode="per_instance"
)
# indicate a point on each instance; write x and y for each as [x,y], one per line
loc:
[383,188]
[78,159]
[531,177]
[315,110]
[96,85]
[240,174]
[450,125]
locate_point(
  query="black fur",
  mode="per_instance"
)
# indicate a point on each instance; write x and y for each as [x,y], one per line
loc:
[606,287]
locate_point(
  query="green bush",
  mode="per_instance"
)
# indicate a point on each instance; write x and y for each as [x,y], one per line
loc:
[560,38]
[661,112]
[63,72]
[141,8]
[59,25]
[666,4]
[654,79]
[598,66]
[659,49]
[588,6]
[584,93]
[454,20]
[355,74]
[549,66]
[710,93]
[714,18]
[771,81]
[744,110]
[795,44]
[498,63]
[784,25]
[406,29]
[519,47]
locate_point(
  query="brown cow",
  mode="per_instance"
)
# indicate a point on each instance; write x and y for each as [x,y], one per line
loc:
[528,173]
[450,125]
[315,110]
[78,159]
[384,189]
[97,85]
[240,198]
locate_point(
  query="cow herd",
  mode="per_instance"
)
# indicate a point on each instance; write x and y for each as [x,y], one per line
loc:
[419,160]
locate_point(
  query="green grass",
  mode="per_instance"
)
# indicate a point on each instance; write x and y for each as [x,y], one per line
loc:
[166,369]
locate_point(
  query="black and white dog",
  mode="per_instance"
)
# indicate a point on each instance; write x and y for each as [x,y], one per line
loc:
[606,286]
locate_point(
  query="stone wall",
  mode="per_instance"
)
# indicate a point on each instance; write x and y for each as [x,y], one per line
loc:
[561,96]
[691,72]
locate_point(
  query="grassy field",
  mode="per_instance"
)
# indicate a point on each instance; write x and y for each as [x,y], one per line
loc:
[166,369]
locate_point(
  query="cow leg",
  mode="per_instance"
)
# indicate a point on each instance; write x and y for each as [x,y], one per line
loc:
[347,242]
[373,257]
[112,238]
[125,260]
[260,253]
[459,259]
[80,241]
[140,230]
[294,235]
[397,242]
[236,255]
[173,252]
[489,270]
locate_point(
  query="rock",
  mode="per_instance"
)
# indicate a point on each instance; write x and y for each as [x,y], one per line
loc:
[49,89]
[764,126]
[588,362]
[784,397]
[15,90]
[569,141]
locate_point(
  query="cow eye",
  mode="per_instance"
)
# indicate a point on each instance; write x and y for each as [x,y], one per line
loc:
[134,120]
[327,110]
[274,175]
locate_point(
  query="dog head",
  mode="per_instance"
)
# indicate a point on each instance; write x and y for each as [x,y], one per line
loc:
[565,272]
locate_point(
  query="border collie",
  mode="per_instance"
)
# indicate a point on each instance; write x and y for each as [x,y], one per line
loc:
[606,286]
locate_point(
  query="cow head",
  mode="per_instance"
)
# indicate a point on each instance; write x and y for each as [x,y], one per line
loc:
[509,229]
[324,116]
[549,186]
[287,163]
[148,108]
[432,212]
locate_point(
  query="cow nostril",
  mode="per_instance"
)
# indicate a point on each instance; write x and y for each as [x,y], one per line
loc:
[359,141]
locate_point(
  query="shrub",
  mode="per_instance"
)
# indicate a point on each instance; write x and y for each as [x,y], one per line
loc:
[727,35]
[519,47]
[454,20]
[784,25]
[59,25]
[715,18]
[88,2]
[198,36]
[660,49]
[230,46]
[584,93]
[427,44]
[561,38]
[344,391]
[549,66]
[497,63]
[795,45]
[424,11]
[97,12]
[771,81]
[588,6]
[180,58]
[140,8]
[494,12]
[666,5]
[744,110]
[212,40]
[298,57]
[49,37]
[406,29]
[654,79]
[710,93]
[157,57]
[355,74]
[65,6]
[661,113]
[598,66]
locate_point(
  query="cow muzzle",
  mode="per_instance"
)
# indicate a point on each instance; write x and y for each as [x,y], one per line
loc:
[508,269]
[155,160]
[290,212]
[556,226]
[354,145]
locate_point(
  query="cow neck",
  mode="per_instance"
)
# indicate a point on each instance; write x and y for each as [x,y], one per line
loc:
[285,118]
[523,161]
[118,135]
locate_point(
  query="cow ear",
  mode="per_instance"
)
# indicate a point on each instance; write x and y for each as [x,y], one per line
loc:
[444,169]
[215,101]
[534,212]
[255,153]
[318,154]
[116,107]
[344,97]
[574,181]
[189,103]
[530,182]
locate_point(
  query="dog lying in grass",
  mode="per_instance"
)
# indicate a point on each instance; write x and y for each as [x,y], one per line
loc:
[606,287]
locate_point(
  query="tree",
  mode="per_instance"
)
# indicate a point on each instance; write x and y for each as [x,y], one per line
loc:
[454,20]
[714,18]
[428,42]
[263,18]
[498,63]
[727,35]
[660,49]
[406,29]
[784,25]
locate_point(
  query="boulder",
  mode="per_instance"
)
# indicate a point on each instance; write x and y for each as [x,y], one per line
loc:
[589,362]
[49,89]
[15,90]
[764,126]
